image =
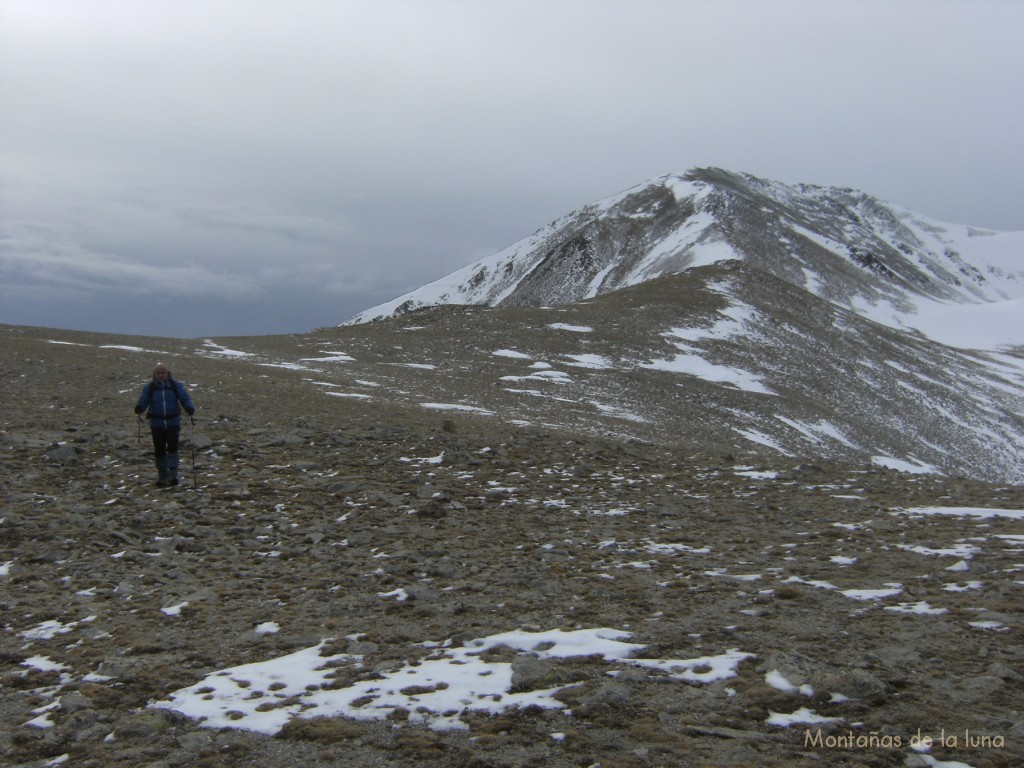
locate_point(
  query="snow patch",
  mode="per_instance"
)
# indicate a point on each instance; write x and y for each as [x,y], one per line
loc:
[262,697]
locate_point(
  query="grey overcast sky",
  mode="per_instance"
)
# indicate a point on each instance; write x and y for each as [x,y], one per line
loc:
[226,167]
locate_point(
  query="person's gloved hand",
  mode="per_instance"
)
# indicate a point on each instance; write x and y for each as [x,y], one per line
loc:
[139,408]
[190,411]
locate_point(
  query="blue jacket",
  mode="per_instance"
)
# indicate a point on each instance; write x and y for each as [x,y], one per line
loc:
[162,399]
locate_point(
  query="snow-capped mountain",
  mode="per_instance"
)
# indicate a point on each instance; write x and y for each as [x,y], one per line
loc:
[845,246]
[723,312]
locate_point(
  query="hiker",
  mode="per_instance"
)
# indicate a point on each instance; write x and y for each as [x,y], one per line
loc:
[163,398]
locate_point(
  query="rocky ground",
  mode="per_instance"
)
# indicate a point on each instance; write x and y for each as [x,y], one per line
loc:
[317,514]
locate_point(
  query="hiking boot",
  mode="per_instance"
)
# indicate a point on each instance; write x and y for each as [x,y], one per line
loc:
[161,470]
[172,468]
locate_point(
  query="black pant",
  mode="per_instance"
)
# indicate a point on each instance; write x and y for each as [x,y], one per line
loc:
[165,440]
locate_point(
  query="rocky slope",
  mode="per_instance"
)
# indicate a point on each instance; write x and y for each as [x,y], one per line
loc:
[325,488]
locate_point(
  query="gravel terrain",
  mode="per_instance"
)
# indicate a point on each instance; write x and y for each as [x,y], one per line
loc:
[380,527]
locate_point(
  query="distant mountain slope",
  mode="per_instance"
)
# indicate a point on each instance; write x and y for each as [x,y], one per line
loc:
[720,312]
[844,246]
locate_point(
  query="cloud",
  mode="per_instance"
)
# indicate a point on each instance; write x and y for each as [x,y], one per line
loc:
[32,256]
[262,220]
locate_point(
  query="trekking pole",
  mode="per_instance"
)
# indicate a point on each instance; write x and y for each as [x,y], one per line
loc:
[192,445]
[138,451]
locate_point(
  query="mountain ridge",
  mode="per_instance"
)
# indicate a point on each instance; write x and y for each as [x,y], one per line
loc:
[848,246]
[802,317]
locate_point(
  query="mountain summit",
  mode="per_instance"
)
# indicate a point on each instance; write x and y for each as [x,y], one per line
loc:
[836,243]
[716,311]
